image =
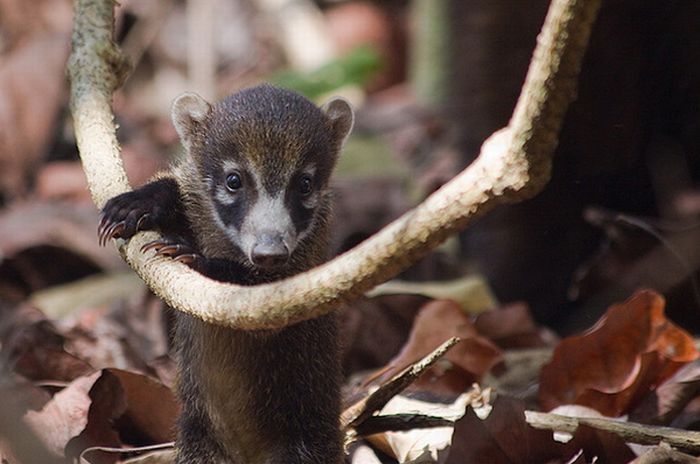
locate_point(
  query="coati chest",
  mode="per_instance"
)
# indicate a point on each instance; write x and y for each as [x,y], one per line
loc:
[249,203]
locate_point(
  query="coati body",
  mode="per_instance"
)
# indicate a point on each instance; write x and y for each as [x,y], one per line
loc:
[249,204]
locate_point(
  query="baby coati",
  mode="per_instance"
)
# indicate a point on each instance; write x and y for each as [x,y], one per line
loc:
[248,204]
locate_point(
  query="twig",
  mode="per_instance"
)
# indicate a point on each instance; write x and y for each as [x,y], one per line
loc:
[629,431]
[514,164]
[363,409]
[400,423]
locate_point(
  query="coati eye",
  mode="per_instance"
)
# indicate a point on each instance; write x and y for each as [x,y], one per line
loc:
[234,181]
[305,185]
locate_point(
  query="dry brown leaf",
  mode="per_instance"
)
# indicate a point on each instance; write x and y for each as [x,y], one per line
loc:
[151,408]
[610,368]
[125,408]
[512,327]
[108,408]
[65,416]
[463,365]
[107,405]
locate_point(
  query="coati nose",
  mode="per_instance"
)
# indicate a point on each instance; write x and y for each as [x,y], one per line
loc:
[269,251]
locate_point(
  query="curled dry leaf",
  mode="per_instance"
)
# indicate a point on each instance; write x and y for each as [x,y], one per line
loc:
[125,408]
[610,368]
[108,408]
[104,405]
[463,365]
[65,416]
[151,408]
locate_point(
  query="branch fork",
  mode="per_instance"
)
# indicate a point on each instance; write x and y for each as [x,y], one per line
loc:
[514,165]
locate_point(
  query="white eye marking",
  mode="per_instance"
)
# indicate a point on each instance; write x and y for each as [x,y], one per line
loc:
[309,170]
[230,166]
[224,196]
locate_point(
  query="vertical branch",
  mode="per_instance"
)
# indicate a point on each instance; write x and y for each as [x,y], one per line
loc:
[550,86]
[96,68]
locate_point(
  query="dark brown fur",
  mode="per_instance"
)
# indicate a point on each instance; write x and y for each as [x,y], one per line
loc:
[248,396]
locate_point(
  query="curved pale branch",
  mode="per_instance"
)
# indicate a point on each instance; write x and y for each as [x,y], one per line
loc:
[514,164]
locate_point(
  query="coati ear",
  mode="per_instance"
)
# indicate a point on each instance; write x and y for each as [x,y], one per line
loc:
[189,112]
[341,117]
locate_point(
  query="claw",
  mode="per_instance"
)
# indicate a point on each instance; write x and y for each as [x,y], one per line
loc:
[154,245]
[171,249]
[102,220]
[101,233]
[186,259]
[113,231]
[141,220]
[168,249]
[104,234]
[101,230]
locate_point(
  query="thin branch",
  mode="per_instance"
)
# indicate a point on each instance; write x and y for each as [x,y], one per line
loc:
[400,423]
[684,440]
[375,401]
[514,164]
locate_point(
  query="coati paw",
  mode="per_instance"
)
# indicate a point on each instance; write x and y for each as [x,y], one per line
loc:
[177,249]
[155,205]
[126,214]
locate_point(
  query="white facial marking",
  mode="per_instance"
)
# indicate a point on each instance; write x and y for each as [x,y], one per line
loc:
[230,165]
[268,215]
[222,194]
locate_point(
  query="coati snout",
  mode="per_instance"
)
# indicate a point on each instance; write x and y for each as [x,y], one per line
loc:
[266,162]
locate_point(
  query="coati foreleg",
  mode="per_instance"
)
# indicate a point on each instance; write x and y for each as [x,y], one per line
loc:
[158,206]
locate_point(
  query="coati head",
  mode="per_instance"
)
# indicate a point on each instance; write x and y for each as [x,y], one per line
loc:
[258,164]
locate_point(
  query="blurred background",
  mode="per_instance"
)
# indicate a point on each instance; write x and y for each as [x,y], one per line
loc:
[430,80]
